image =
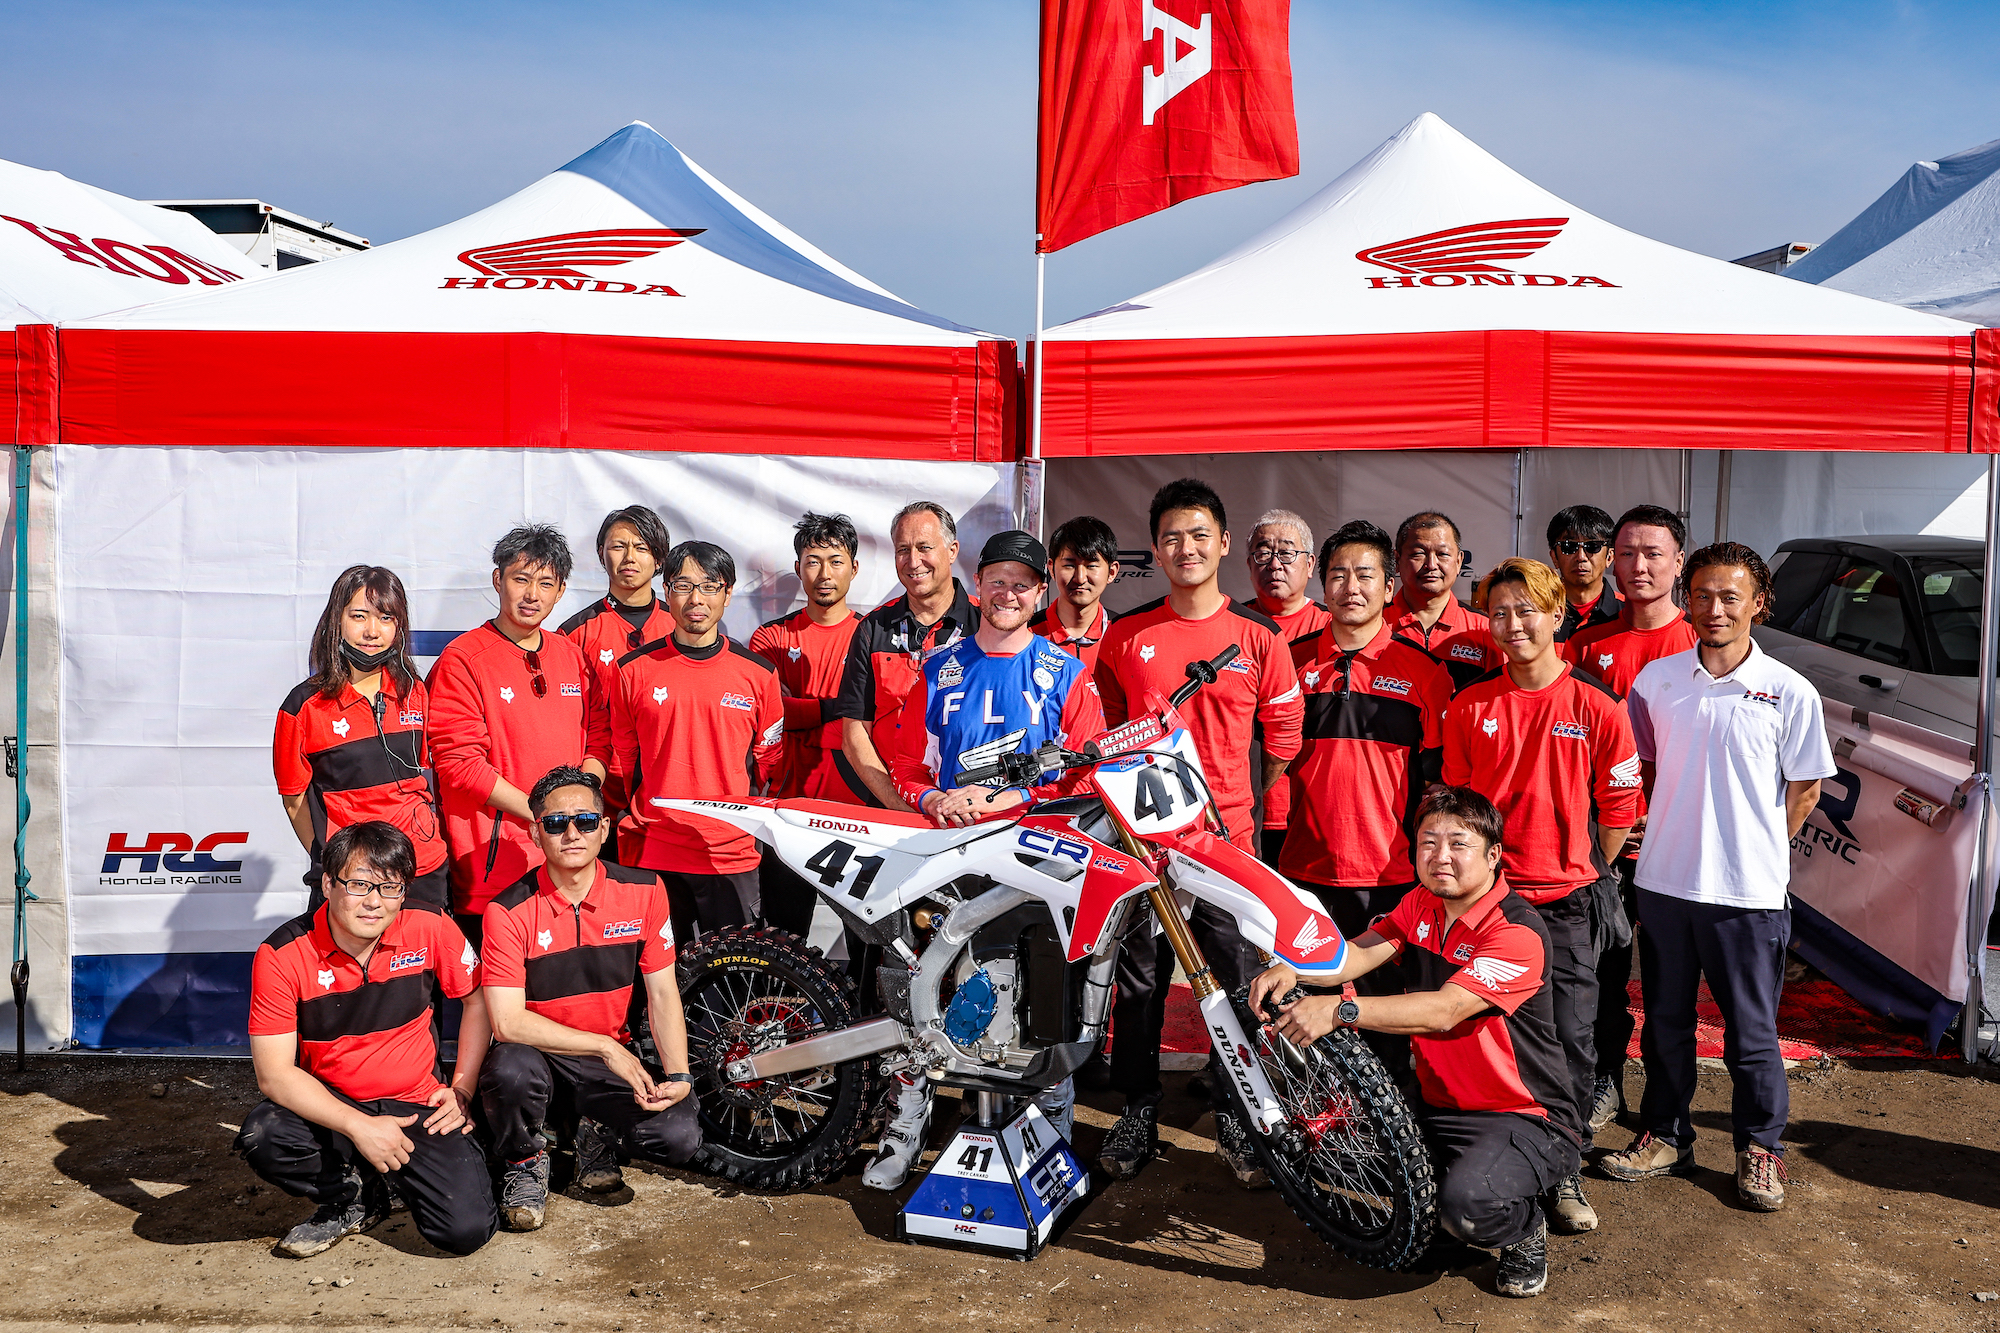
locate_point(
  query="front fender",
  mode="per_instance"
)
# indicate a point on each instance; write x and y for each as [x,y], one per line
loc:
[1273,913]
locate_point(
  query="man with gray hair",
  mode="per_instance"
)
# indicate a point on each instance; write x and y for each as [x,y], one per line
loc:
[1281,563]
[886,653]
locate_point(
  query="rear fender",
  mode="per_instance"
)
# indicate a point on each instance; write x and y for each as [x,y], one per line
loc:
[1270,910]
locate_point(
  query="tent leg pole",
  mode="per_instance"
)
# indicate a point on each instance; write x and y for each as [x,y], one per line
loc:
[1982,749]
[18,974]
[1725,468]
[1687,484]
[1041,275]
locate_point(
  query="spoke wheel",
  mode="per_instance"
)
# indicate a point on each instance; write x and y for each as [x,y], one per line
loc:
[1350,1160]
[745,991]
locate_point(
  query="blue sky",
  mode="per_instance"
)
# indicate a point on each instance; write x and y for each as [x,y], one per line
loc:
[899,135]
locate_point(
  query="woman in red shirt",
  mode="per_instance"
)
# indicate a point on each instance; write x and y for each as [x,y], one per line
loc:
[349,741]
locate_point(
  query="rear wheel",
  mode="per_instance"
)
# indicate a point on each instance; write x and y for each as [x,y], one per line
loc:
[747,990]
[1349,1160]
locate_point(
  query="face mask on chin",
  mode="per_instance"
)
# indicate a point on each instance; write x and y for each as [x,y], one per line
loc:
[361,661]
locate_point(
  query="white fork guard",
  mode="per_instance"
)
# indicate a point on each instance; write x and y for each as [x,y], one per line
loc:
[1226,1035]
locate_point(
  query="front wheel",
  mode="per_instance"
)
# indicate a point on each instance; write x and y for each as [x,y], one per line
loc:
[1350,1160]
[746,990]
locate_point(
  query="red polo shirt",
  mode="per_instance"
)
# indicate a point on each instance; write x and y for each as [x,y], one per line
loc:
[1507,1057]
[487,723]
[1552,760]
[603,632]
[809,658]
[363,1031]
[354,770]
[1460,638]
[1083,647]
[577,962]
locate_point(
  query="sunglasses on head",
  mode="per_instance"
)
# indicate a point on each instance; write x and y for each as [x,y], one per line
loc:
[536,680]
[1588,548]
[586,822]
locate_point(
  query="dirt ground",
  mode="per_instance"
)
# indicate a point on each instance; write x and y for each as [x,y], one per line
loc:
[122,1207]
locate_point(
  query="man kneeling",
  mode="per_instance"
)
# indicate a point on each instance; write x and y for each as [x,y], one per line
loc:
[1498,1110]
[563,947]
[341,1039]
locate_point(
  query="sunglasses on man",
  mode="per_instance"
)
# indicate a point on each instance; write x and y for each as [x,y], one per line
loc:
[1588,548]
[586,823]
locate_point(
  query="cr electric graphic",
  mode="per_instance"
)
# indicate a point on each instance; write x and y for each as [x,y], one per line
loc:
[556,263]
[1471,256]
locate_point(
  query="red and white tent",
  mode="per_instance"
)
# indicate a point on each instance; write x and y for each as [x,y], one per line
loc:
[1432,297]
[628,300]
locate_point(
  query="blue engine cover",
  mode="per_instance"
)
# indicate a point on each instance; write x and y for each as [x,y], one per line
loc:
[970,1012]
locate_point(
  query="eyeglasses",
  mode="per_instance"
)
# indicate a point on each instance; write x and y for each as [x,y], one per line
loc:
[536,680]
[1282,556]
[688,587]
[391,890]
[586,823]
[1588,548]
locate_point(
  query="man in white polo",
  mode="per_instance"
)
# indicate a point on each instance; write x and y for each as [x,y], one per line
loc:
[1733,748]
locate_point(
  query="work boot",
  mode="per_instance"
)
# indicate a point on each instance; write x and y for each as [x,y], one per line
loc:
[1524,1268]
[1059,1105]
[1570,1211]
[1606,1102]
[1132,1142]
[332,1223]
[1760,1179]
[1646,1158]
[1232,1145]
[597,1157]
[524,1193]
[903,1141]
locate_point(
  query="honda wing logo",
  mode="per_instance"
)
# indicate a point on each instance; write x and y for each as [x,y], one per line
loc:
[981,755]
[1493,973]
[1186,56]
[1309,937]
[558,263]
[1476,255]
[1626,773]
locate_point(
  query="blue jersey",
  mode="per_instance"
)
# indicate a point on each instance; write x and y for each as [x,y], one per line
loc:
[976,707]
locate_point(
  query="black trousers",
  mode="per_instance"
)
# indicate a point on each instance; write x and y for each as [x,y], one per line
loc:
[445,1181]
[1493,1167]
[516,1082]
[1612,1032]
[701,903]
[1354,910]
[789,901]
[1145,975]
[1741,951]
[1573,970]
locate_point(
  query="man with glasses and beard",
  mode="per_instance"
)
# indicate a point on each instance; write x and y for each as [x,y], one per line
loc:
[564,948]
[508,703]
[695,715]
[1579,548]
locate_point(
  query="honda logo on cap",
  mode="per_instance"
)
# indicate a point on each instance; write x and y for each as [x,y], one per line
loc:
[1471,256]
[557,263]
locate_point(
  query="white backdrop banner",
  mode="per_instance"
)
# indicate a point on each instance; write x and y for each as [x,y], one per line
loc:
[189,583]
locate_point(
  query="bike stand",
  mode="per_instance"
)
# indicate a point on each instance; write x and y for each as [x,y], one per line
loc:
[1001,1184]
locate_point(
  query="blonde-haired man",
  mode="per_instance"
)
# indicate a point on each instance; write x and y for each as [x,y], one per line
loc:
[1549,747]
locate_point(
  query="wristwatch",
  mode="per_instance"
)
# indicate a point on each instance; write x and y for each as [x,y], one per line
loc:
[679,1078]
[1349,1013]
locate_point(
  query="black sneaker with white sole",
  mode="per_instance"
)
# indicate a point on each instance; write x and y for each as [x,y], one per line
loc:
[1132,1142]
[332,1223]
[1232,1145]
[1606,1101]
[597,1157]
[524,1193]
[1524,1268]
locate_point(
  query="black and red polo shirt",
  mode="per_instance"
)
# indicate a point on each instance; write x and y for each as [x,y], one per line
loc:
[605,631]
[883,660]
[363,1030]
[1506,1058]
[1460,638]
[1083,647]
[1373,735]
[1603,611]
[810,659]
[577,962]
[355,765]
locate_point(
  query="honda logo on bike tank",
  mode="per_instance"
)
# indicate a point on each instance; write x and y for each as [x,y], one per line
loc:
[557,263]
[1471,256]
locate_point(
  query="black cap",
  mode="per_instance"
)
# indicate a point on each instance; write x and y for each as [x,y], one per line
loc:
[1015,545]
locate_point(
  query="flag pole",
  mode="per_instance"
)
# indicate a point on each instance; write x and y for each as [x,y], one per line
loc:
[1041,274]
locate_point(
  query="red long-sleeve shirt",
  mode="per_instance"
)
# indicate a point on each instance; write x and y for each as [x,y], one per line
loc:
[488,723]
[810,659]
[692,726]
[603,632]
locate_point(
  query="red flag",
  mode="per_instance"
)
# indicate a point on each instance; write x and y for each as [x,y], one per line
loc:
[1148,102]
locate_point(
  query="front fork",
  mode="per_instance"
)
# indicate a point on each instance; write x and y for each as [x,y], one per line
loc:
[1218,1015]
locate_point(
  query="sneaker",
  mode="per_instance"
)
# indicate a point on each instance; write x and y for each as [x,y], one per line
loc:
[524,1193]
[1569,1210]
[1646,1158]
[333,1222]
[1059,1105]
[1132,1142]
[1760,1179]
[1524,1268]
[1606,1102]
[903,1141]
[1232,1145]
[597,1157]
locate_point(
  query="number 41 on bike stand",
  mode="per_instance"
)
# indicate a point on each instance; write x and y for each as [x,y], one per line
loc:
[997,1186]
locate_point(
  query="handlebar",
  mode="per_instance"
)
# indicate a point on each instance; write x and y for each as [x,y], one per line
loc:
[1203,673]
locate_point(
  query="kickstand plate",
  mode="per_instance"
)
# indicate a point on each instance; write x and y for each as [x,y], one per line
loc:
[1002,1190]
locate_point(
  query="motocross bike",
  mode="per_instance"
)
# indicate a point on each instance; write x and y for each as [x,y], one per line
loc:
[1000,943]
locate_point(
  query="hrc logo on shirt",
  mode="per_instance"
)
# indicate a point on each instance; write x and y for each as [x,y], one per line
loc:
[572,691]
[741,702]
[622,930]
[1390,685]
[1575,731]
[414,958]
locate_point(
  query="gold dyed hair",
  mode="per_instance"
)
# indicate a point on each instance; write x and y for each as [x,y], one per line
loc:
[1545,589]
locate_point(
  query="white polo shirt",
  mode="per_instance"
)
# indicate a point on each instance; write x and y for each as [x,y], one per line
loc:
[1723,749]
